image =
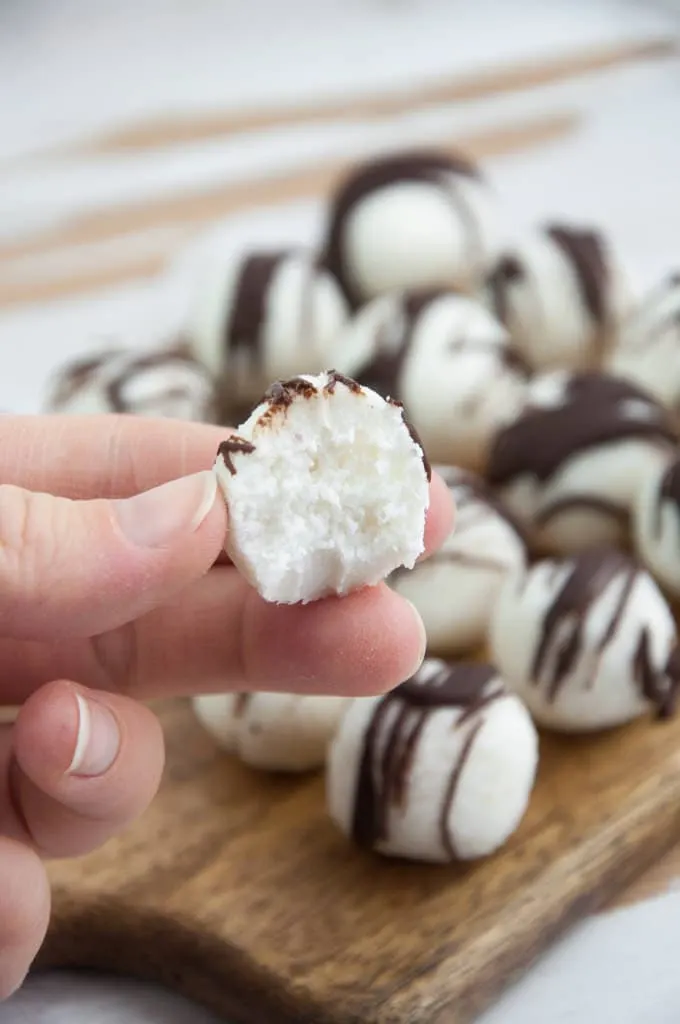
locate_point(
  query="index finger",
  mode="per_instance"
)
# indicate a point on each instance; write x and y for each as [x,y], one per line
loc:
[86,457]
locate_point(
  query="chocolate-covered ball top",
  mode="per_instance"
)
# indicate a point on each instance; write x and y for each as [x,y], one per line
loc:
[428,166]
[589,410]
[585,252]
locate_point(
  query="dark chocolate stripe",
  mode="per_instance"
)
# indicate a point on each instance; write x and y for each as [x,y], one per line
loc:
[597,409]
[243,328]
[393,343]
[382,782]
[467,488]
[79,374]
[648,310]
[451,790]
[507,271]
[669,491]
[178,355]
[660,689]
[590,573]
[585,251]
[550,510]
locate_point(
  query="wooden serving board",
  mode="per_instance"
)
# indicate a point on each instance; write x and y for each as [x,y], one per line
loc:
[236,889]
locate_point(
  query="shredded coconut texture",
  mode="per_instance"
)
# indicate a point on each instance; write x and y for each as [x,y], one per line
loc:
[327,489]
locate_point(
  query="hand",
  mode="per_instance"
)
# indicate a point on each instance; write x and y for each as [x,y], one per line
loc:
[109,596]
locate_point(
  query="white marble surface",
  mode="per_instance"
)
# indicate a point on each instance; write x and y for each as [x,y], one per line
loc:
[72,67]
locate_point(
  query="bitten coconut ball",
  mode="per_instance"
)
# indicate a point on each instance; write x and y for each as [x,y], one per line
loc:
[264,315]
[588,642]
[440,769]
[327,489]
[455,588]
[572,464]
[657,527]
[562,295]
[450,363]
[418,219]
[167,382]
[279,732]
[648,350]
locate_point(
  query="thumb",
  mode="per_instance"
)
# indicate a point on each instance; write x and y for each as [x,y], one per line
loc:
[79,568]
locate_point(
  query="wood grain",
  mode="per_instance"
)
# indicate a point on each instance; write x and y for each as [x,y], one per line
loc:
[237,890]
[194,211]
[170,131]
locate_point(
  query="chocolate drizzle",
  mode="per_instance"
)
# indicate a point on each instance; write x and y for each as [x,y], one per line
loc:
[669,490]
[243,328]
[115,370]
[507,271]
[585,251]
[232,446]
[590,573]
[430,167]
[415,437]
[392,737]
[335,378]
[394,341]
[471,492]
[179,355]
[282,393]
[596,410]
[562,639]
[80,374]
[618,513]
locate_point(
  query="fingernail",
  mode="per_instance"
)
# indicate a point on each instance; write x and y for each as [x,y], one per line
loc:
[422,650]
[98,739]
[155,518]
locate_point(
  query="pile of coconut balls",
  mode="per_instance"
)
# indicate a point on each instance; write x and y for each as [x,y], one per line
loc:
[545,392]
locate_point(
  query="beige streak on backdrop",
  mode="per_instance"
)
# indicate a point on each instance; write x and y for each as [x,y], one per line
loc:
[159,228]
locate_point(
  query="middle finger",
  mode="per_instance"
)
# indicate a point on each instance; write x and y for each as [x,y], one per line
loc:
[220,635]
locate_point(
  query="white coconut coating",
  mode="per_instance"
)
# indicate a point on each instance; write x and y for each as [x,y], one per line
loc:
[587,643]
[168,383]
[455,588]
[274,731]
[572,464]
[441,769]
[656,525]
[648,349]
[563,295]
[411,220]
[327,489]
[264,315]
[445,357]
